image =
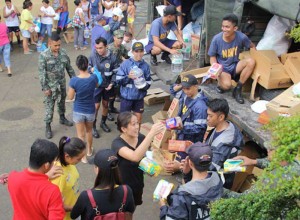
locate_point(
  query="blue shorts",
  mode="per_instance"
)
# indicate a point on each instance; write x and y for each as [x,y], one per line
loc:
[101,92]
[81,117]
[132,105]
[44,28]
[231,72]
[168,43]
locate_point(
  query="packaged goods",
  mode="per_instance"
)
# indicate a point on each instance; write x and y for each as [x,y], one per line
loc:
[162,190]
[150,167]
[234,166]
[173,123]
[215,70]
[178,146]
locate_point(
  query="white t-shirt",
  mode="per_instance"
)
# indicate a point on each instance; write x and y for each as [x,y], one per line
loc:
[79,11]
[12,20]
[109,12]
[49,11]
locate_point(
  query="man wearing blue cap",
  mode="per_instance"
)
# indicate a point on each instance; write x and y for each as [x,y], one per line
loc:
[190,201]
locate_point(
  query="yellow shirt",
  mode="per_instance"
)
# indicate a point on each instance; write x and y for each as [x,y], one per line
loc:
[26,16]
[68,185]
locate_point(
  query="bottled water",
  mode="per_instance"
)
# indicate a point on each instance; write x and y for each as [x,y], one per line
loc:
[86,32]
[139,81]
[187,50]
[177,63]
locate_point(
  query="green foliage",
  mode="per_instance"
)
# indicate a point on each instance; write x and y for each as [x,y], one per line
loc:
[276,194]
[295,33]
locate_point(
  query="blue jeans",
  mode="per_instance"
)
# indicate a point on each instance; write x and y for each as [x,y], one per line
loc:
[44,28]
[78,37]
[5,50]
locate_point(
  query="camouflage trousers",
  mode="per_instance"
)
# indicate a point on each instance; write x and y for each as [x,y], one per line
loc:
[58,96]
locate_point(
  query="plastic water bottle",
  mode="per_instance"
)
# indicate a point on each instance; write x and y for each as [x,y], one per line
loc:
[139,81]
[177,63]
[187,49]
[86,33]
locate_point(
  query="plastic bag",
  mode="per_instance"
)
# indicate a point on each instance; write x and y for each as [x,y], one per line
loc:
[274,37]
[99,76]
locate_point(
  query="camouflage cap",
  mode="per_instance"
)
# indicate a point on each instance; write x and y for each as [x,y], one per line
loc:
[119,33]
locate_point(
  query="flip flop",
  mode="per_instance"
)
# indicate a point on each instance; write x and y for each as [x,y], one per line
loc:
[89,155]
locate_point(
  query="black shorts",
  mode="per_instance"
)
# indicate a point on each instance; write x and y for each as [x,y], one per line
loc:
[101,92]
[138,197]
[13,29]
[132,105]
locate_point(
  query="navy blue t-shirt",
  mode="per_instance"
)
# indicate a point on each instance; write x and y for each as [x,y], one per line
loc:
[157,29]
[84,88]
[175,2]
[227,53]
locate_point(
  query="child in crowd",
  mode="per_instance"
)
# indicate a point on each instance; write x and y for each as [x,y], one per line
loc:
[11,13]
[127,40]
[108,192]
[86,7]
[131,16]
[5,47]
[108,8]
[114,24]
[47,15]
[123,6]
[71,151]
[79,28]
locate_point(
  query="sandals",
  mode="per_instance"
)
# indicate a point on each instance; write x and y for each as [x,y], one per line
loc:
[89,155]
[9,74]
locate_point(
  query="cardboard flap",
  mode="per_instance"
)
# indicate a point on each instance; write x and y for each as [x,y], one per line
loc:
[154,91]
[265,56]
[292,67]
[198,73]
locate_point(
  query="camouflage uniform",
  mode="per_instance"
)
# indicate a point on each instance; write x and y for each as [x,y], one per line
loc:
[262,164]
[52,76]
[119,52]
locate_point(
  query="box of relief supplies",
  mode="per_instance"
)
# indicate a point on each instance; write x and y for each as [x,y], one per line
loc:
[173,109]
[292,67]
[178,146]
[162,190]
[156,96]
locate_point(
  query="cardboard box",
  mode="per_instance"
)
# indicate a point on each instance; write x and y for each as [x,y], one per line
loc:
[159,156]
[178,146]
[155,96]
[198,73]
[272,74]
[195,44]
[292,67]
[161,140]
[159,116]
[285,56]
[286,104]
[173,109]
[145,128]
[69,36]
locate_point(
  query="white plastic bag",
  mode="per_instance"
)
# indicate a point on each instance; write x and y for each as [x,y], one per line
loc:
[274,36]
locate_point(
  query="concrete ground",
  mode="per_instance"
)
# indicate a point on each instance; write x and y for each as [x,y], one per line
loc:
[21,122]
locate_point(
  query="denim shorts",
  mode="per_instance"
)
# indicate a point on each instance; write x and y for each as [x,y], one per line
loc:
[25,33]
[44,28]
[81,117]
[5,50]
[168,43]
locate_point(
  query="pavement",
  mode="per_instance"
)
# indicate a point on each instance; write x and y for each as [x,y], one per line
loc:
[22,114]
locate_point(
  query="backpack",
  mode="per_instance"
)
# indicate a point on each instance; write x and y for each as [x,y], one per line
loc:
[120,215]
[76,21]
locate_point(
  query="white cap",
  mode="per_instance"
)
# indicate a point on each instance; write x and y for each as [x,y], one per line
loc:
[117,11]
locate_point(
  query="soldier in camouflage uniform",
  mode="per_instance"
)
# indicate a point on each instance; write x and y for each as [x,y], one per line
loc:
[52,65]
[121,53]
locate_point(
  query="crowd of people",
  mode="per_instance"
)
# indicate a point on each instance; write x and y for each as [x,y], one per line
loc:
[107,74]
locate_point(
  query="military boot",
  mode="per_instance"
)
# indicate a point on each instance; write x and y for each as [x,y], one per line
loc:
[111,108]
[95,132]
[237,93]
[48,132]
[64,121]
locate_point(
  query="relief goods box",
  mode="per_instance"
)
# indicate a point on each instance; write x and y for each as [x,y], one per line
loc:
[156,96]
[292,67]
[178,146]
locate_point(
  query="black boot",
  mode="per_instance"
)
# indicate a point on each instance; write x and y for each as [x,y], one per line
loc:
[48,132]
[153,60]
[58,30]
[95,132]
[237,93]
[103,124]
[110,117]
[111,108]
[165,57]
[64,121]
